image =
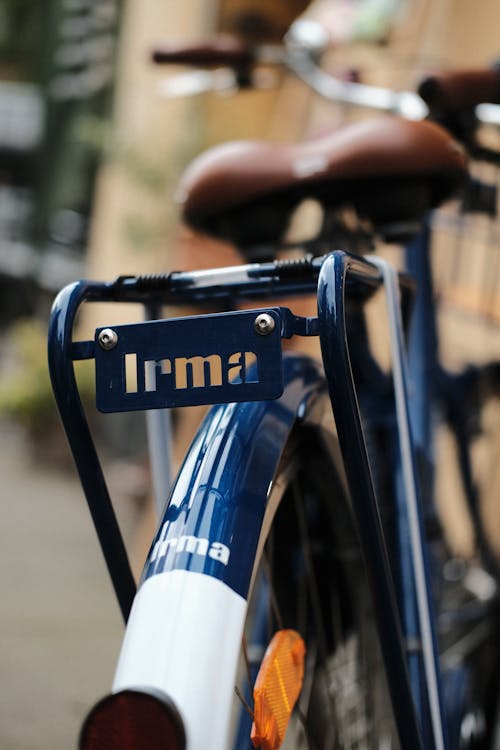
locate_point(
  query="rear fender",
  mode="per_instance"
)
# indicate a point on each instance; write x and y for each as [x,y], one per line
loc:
[184,632]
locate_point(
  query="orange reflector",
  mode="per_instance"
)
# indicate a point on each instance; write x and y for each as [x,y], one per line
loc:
[277,688]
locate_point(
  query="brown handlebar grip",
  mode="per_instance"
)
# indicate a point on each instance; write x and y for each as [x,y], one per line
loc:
[463,89]
[221,50]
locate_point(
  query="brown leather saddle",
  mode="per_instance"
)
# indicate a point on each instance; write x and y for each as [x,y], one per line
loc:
[387,169]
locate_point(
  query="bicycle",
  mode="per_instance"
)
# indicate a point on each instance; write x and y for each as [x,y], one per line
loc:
[273,492]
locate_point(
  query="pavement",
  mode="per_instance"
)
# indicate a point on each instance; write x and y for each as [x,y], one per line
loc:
[60,627]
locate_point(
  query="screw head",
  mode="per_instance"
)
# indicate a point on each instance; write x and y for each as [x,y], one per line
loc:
[107,338]
[264,324]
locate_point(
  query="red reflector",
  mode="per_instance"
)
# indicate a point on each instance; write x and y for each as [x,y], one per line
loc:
[131,720]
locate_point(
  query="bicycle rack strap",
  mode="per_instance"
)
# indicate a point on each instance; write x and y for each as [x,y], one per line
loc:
[132,363]
[60,350]
[337,273]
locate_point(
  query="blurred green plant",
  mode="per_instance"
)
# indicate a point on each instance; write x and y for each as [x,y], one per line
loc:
[25,389]
[21,23]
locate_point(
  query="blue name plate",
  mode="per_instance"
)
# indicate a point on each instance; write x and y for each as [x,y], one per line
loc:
[189,361]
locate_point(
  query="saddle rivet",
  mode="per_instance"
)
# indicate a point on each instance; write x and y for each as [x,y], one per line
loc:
[264,324]
[108,338]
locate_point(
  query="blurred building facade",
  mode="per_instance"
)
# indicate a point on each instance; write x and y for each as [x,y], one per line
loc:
[90,151]
[57,66]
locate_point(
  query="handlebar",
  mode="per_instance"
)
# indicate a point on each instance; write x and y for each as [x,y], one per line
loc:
[477,91]
[234,52]
[219,51]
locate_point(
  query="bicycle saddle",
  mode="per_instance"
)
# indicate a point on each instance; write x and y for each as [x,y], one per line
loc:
[388,169]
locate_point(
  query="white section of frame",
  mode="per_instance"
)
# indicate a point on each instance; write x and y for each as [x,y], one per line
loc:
[183,638]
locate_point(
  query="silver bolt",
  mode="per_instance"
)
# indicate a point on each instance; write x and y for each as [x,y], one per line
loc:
[108,338]
[264,324]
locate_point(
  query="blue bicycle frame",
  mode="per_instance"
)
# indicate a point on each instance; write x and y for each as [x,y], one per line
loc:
[339,279]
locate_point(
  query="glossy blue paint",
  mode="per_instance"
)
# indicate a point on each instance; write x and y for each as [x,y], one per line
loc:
[202,359]
[423,362]
[340,272]
[60,350]
[213,519]
[232,283]
[218,502]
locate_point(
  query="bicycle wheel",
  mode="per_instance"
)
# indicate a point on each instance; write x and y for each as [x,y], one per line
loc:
[309,577]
